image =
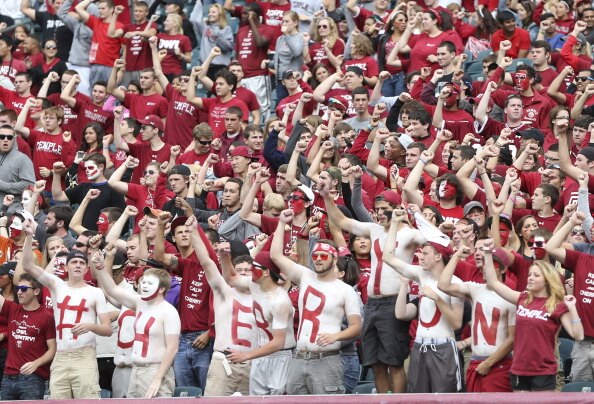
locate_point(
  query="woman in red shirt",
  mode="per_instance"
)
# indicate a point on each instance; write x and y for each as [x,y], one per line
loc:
[177,46]
[395,27]
[327,48]
[361,56]
[542,309]
[436,28]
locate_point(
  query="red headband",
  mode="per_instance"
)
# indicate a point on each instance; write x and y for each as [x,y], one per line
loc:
[324,247]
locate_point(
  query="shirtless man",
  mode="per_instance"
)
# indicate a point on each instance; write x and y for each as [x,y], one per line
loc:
[157,327]
[77,306]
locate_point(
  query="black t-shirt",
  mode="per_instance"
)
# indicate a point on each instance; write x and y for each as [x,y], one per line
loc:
[107,198]
[53,28]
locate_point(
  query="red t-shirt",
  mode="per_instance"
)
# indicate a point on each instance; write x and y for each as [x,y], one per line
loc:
[182,116]
[140,196]
[272,16]
[367,64]
[318,54]
[104,50]
[248,97]
[141,106]
[548,223]
[172,64]
[10,68]
[138,52]
[191,157]
[421,46]
[143,152]
[536,332]
[580,264]
[48,149]
[520,41]
[29,331]
[195,296]
[90,113]
[269,225]
[249,55]
[70,122]
[216,112]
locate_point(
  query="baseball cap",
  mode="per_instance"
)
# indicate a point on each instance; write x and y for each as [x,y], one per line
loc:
[471,205]
[306,191]
[154,121]
[118,261]
[338,104]
[178,221]
[588,153]
[355,69]
[244,151]
[152,212]
[181,170]
[532,133]
[404,139]
[288,74]
[391,197]
[77,254]
[8,268]
[179,3]
[263,259]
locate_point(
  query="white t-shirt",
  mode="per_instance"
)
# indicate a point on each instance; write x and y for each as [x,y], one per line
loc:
[491,315]
[322,307]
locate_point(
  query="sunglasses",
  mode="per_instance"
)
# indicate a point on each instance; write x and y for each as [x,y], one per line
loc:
[6,137]
[80,245]
[51,47]
[149,172]
[320,256]
[323,26]
[295,198]
[184,79]
[575,232]
[203,142]
[554,166]
[258,266]
[536,244]
[24,288]
[583,79]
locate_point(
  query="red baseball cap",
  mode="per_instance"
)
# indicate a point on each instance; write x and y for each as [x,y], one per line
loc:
[154,121]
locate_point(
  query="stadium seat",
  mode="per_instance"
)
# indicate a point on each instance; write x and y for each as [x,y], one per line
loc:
[187,391]
[475,67]
[105,393]
[579,387]
[365,388]
[565,348]
[483,54]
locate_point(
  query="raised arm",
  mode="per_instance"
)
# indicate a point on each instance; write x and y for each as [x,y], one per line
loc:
[191,92]
[113,236]
[493,281]
[578,107]
[112,83]
[409,191]
[20,127]
[445,280]
[246,212]
[555,245]
[27,10]
[403,268]
[153,43]
[66,94]
[553,90]
[373,160]
[76,223]
[564,159]
[112,30]
[169,260]
[57,192]
[102,271]
[117,132]
[286,265]
[81,10]
[115,180]
[28,259]
[206,81]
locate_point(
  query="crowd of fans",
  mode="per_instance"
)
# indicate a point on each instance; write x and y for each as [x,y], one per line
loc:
[265,197]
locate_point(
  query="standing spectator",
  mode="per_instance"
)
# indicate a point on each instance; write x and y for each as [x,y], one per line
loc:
[288,55]
[327,47]
[80,312]
[156,328]
[104,50]
[16,169]
[31,343]
[519,38]
[51,26]
[251,49]
[176,7]
[542,310]
[17,98]
[9,66]
[215,32]
[81,44]
[135,37]
[175,45]
[49,63]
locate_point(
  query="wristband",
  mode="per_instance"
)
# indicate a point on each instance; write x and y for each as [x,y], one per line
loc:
[579,320]
[370,127]
[423,161]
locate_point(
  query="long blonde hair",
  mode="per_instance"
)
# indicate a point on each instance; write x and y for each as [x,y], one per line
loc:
[555,291]
[177,19]
[315,34]
[222,15]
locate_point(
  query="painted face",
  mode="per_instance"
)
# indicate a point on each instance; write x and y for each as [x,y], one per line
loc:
[149,287]
[447,190]
[16,227]
[102,223]
[297,202]
[503,233]
[452,98]
[26,198]
[91,170]
[521,80]
[257,272]
[538,246]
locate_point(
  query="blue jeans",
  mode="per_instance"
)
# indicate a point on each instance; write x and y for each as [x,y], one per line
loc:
[191,364]
[352,371]
[22,387]
[394,86]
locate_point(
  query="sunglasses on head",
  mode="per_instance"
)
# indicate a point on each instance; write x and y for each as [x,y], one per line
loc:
[536,244]
[554,166]
[24,288]
[203,142]
[6,137]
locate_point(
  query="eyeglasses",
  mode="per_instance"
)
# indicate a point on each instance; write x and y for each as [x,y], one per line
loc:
[24,288]
[582,78]
[575,232]
[6,137]
[553,166]
[50,47]
[323,26]
[320,256]
[536,244]
[149,172]
[80,245]
[204,142]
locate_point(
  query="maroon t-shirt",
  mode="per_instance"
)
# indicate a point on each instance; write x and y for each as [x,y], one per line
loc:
[195,305]
[70,122]
[90,113]
[141,106]
[318,54]
[48,149]
[248,97]
[269,225]
[581,265]
[29,331]
[216,112]
[182,116]
[548,223]
[172,64]
[143,152]
[138,52]
[249,55]
[536,335]
[191,157]
[10,68]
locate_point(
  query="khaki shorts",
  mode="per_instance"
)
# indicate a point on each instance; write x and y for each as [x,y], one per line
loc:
[219,384]
[74,374]
[143,376]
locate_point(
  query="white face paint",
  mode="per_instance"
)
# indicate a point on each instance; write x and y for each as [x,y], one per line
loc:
[26,198]
[149,287]
[91,170]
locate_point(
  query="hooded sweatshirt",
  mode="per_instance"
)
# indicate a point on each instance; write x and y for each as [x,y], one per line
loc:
[16,174]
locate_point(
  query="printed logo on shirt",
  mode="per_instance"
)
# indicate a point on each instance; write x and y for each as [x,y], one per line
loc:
[537,314]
